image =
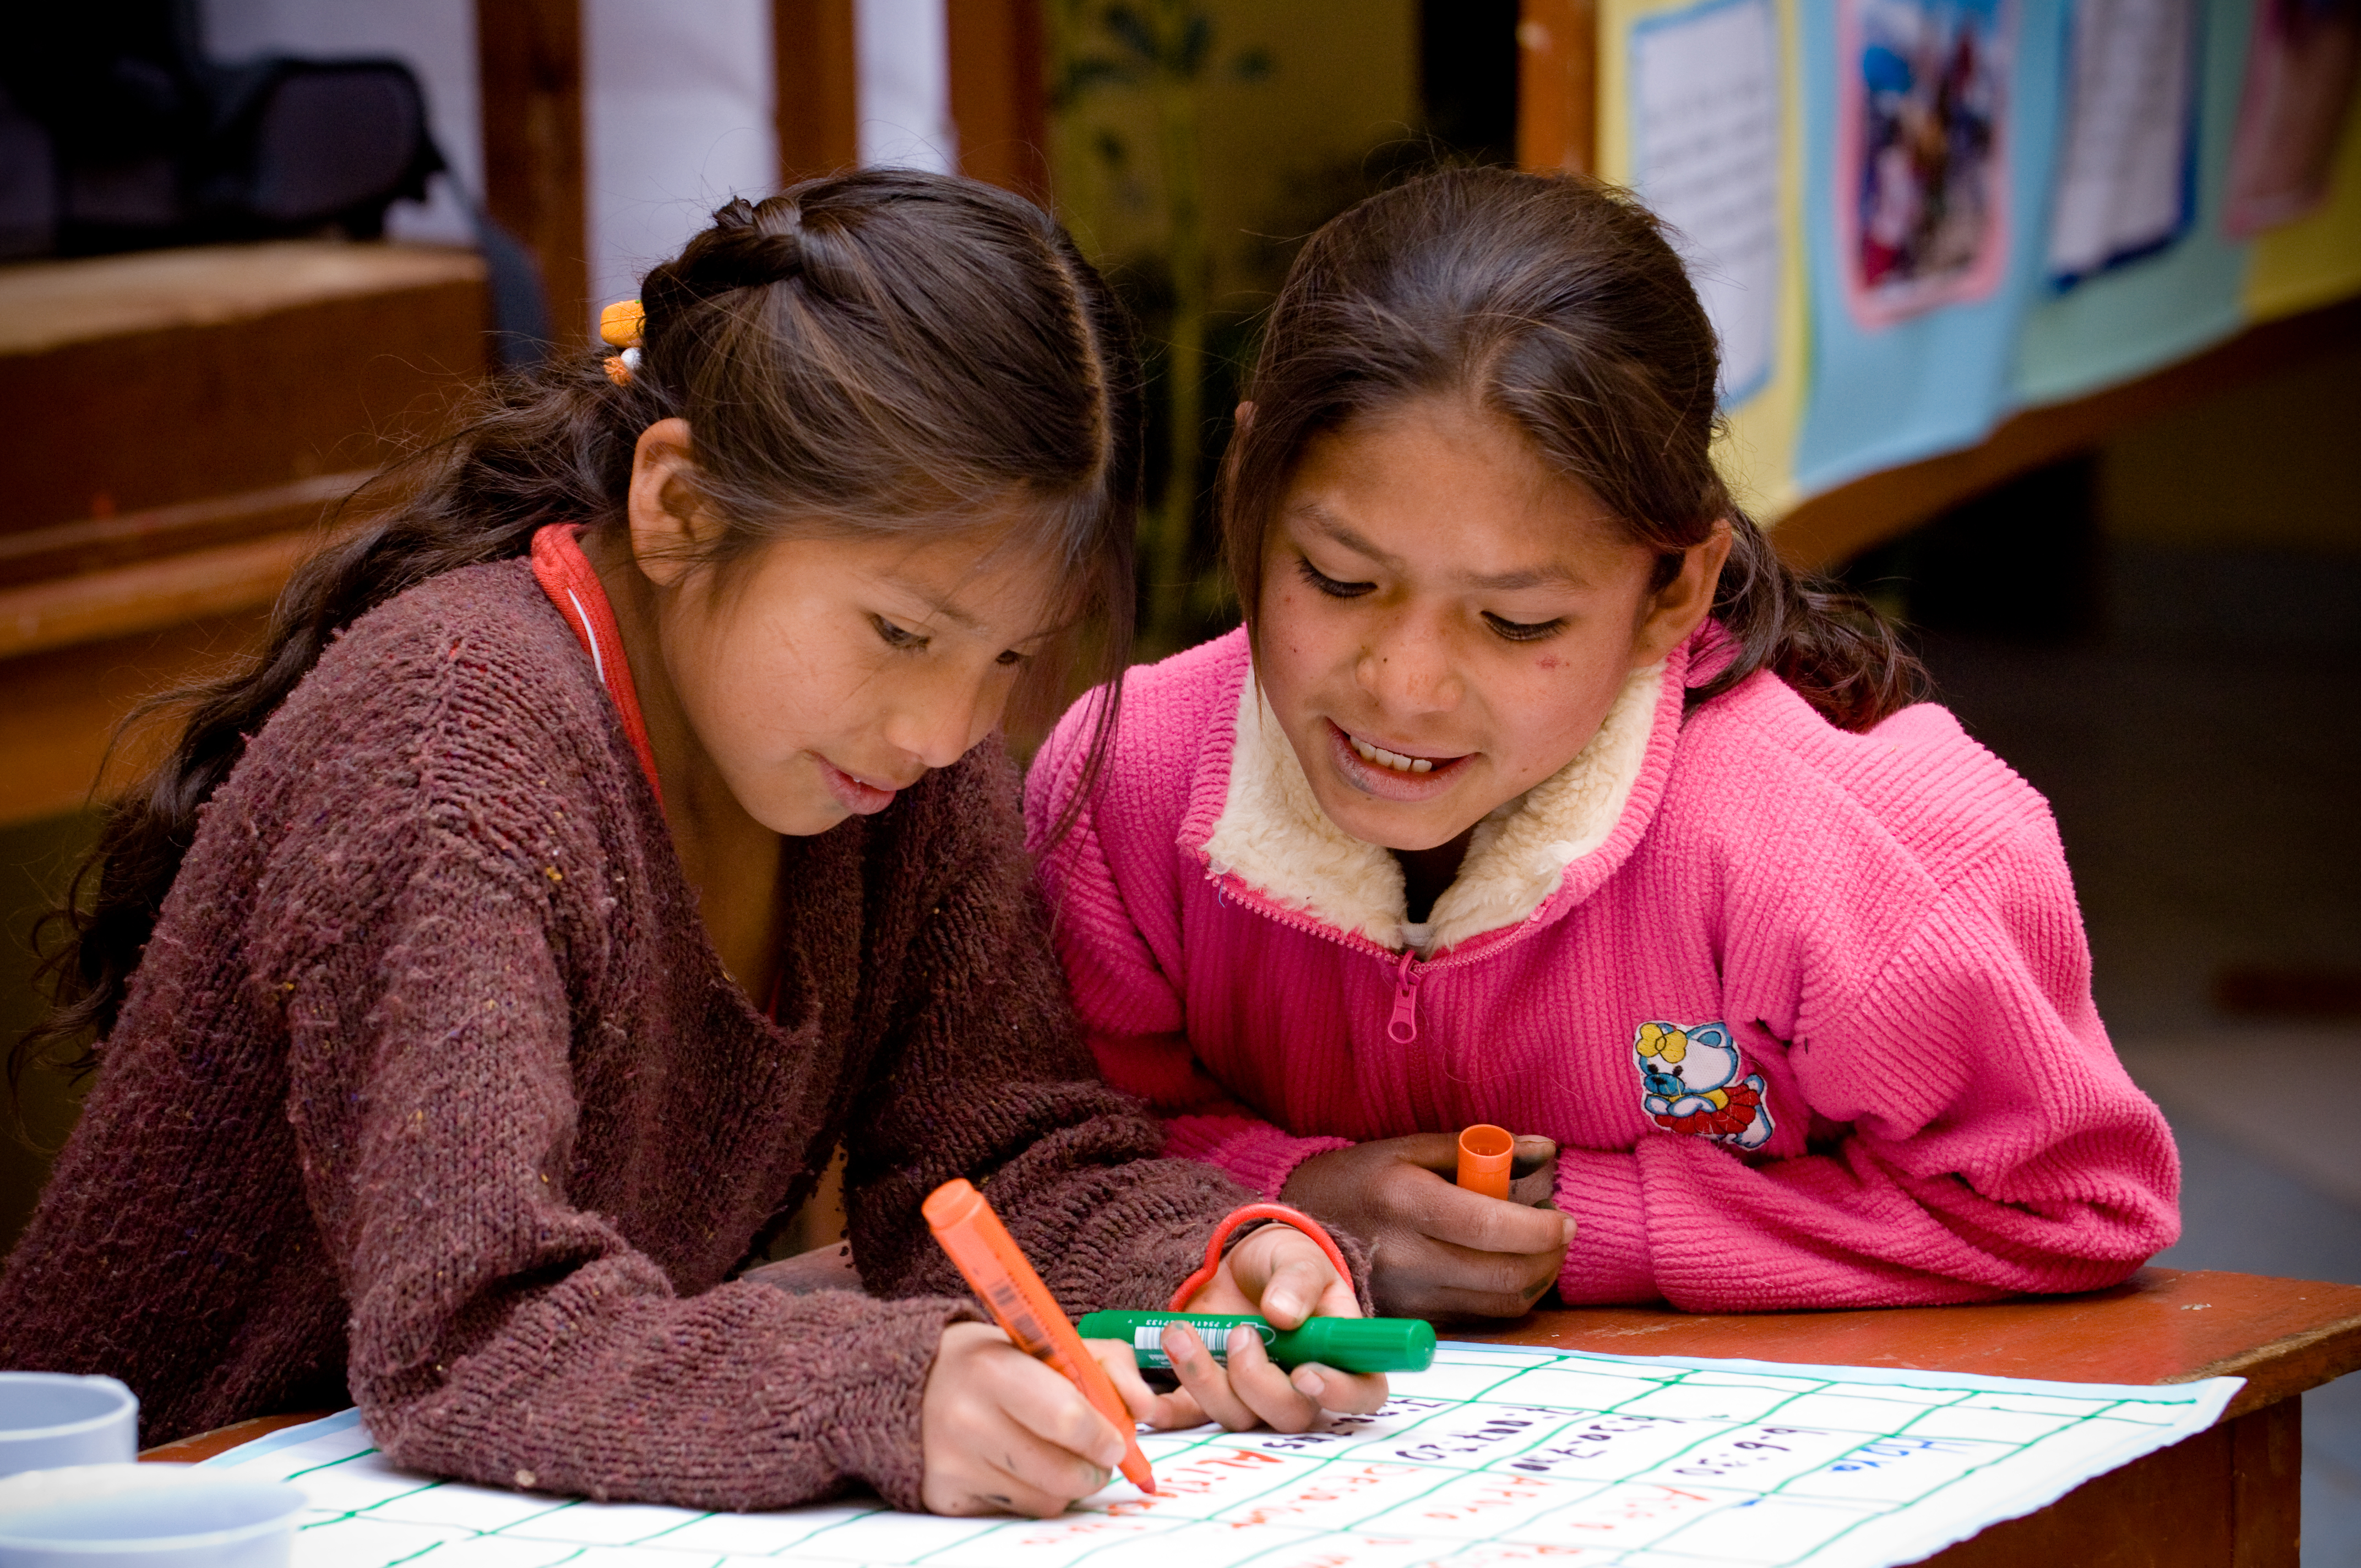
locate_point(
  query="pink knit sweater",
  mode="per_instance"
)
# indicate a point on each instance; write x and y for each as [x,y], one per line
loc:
[1808,1013]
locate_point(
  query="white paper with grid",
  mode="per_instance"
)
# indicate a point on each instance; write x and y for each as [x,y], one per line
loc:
[1496,1455]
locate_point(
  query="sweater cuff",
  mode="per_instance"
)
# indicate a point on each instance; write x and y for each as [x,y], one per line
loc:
[1255,1155]
[1608,1261]
[882,1442]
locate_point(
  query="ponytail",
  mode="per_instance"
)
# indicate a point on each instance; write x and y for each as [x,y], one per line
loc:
[1837,651]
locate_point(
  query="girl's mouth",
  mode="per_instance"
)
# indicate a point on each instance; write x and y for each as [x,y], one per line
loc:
[1388,773]
[856,796]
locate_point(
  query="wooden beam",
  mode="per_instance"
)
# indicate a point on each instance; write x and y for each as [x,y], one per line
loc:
[529,55]
[150,596]
[1557,84]
[99,543]
[206,381]
[815,85]
[1832,528]
[1000,100]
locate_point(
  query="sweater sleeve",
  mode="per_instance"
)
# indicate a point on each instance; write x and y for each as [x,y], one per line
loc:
[1981,1138]
[498,1331]
[1131,1011]
[988,1077]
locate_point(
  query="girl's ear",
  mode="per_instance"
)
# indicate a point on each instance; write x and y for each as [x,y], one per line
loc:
[668,529]
[1673,610]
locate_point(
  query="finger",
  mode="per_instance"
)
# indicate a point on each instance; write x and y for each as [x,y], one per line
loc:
[1433,1279]
[1437,1152]
[1480,1223]
[1297,1287]
[1163,1412]
[1053,1411]
[1340,1391]
[1035,1478]
[1536,1187]
[1265,1389]
[1531,1150]
[1202,1378]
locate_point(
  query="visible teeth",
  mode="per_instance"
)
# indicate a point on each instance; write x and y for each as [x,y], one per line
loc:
[1399,764]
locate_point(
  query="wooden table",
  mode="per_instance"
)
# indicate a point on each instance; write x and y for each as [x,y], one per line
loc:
[2224,1498]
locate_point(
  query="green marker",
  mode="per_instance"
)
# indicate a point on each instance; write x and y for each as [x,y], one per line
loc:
[1348,1345]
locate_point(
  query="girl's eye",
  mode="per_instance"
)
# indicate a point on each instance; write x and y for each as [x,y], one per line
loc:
[1523,632]
[893,636]
[1328,584]
[1011,657]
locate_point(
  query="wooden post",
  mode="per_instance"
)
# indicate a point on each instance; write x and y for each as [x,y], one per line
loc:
[1557,84]
[999,100]
[815,87]
[529,53]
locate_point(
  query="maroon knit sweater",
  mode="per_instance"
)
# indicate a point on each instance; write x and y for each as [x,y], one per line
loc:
[430,1087]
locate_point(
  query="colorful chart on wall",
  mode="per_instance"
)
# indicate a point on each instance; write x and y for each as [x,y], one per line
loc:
[1928,133]
[1645,50]
[1496,1455]
[2126,182]
[2150,304]
[1705,155]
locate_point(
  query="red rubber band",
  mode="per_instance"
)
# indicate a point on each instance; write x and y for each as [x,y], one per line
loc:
[1237,1217]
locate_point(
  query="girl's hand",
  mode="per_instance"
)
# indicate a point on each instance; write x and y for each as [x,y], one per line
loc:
[1280,1273]
[1004,1434]
[1438,1251]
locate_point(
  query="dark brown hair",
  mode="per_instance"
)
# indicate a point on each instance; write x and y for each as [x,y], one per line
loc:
[1555,301]
[880,351]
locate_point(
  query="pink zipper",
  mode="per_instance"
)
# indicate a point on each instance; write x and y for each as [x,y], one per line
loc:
[1409,973]
[1402,1028]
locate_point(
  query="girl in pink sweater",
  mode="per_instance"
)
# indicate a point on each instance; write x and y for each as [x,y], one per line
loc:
[1535,791]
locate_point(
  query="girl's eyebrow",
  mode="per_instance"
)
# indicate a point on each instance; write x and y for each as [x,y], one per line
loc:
[1552,574]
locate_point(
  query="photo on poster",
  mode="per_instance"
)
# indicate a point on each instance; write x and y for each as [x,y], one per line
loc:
[2301,68]
[1705,155]
[2127,166]
[1922,155]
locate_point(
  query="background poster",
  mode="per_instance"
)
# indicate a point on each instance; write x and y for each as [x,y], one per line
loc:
[1756,447]
[1705,155]
[2146,311]
[1922,153]
[1903,368]
[2126,172]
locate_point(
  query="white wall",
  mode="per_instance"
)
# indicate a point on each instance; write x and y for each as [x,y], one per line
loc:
[435,38]
[676,98]
[676,104]
[903,50]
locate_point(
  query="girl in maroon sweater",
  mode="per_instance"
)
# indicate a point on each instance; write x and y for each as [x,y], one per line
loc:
[606,835]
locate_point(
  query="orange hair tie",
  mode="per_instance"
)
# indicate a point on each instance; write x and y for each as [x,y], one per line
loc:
[621,325]
[1231,1222]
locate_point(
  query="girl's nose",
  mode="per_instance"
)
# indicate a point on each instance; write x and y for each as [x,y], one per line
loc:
[1407,667]
[937,726]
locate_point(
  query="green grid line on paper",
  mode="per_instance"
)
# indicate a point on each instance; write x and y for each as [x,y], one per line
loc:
[1417,1483]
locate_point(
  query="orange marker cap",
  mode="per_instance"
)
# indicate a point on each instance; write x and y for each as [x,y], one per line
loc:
[989,1260]
[1485,1151]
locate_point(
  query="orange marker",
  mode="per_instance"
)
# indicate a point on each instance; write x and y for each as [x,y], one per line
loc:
[989,1260]
[1484,1154]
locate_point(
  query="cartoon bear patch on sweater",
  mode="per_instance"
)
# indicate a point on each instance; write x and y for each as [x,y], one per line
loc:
[1697,1081]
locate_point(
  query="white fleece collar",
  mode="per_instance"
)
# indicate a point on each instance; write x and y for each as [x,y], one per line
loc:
[1273,835]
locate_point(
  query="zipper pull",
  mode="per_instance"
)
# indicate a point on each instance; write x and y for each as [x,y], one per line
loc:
[1402,1028]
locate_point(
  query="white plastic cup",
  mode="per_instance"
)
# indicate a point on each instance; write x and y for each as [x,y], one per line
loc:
[145,1516]
[52,1419]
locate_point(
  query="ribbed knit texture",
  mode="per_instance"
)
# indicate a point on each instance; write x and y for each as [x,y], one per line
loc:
[1884,921]
[430,1087]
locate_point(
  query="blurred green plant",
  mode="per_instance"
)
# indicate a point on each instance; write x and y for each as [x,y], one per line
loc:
[1164,51]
